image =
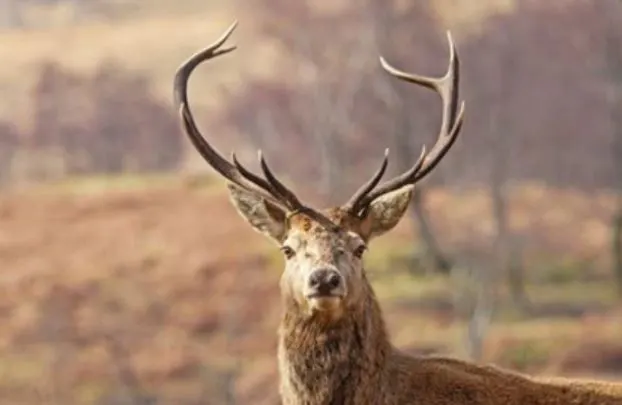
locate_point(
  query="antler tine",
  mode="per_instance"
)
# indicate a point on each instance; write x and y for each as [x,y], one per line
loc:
[369,185]
[220,164]
[271,189]
[447,89]
[388,186]
[213,50]
[442,146]
[250,176]
[276,184]
[451,124]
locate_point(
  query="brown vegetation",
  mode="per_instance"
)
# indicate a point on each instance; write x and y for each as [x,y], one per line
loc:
[106,123]
[128,296]
[154,266]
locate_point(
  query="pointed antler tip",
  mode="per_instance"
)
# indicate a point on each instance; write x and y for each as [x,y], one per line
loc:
[386,152]
[388,67]
[227,34]
[447,88]
[450,39]
[451,42]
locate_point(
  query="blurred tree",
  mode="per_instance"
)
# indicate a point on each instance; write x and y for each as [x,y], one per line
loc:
[9,142]
[11,14]
[539,107]
[611,12]
[497,55]
[106,123]
[556,99]
[320,113]
[406,42]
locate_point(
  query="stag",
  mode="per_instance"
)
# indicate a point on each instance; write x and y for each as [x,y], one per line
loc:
[333,345]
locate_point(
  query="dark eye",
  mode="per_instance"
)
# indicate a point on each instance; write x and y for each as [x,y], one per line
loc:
[288,251]
[358,252]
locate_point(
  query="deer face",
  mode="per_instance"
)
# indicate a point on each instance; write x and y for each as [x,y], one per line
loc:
[323,259]
[323,249]
[322,266]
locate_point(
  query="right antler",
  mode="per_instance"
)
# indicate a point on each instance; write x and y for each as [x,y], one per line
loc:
[452,119]
[270,188]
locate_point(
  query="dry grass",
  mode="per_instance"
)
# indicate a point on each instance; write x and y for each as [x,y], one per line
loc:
[159,264]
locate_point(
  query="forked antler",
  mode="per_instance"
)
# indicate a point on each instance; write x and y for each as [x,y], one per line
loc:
[273,190]
[452,119]
[270,188]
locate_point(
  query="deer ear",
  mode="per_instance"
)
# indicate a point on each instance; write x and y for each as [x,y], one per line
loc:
[386,211]
[262,215]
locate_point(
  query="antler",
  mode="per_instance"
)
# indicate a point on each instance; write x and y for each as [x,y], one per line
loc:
[452,119]
[269,188]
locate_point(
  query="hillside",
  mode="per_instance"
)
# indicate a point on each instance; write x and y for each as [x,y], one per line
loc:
[161,281]
[153,38]
[136,289]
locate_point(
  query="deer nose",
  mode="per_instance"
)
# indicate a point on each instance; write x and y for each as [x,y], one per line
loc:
[324,282]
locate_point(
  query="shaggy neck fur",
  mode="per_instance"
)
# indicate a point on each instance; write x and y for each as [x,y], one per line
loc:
[350,361]
[332,362]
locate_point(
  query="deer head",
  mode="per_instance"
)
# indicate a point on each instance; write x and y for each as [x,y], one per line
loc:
[323,249]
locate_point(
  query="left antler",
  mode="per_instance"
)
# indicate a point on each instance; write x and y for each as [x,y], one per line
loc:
[270,188]
[451,124]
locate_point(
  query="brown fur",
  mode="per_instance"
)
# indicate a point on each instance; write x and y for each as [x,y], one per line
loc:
[343,356]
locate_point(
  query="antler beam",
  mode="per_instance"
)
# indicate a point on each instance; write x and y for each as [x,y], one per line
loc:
[270,188]
[451,124]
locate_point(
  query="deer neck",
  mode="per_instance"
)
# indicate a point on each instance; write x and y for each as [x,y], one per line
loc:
[332,362]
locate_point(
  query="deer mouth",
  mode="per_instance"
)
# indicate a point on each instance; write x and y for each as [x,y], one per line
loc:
[324,295]
[324,301]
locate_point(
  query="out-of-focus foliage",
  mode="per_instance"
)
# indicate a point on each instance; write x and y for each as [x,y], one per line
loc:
[106,123]
[540,70]
[159,294]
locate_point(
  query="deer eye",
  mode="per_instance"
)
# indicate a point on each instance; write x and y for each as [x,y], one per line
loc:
[288,251]
[358,252]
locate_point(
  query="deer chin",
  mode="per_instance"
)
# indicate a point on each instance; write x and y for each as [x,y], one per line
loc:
[325,303]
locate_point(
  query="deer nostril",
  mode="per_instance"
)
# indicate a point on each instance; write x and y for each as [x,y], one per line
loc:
[315,279]
[334,280]
[324,281]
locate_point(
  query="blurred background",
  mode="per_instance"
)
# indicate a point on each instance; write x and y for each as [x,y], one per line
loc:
[127,277]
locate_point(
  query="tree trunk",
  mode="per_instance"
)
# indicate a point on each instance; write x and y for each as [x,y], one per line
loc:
[441,263]
[617,245]
[613,60]
[381,17]
[478,324]
[507,256]
[406,156]
[516,279]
